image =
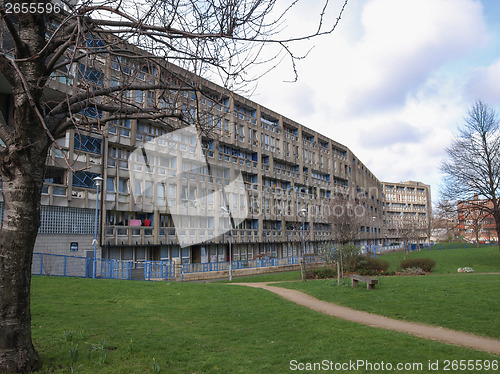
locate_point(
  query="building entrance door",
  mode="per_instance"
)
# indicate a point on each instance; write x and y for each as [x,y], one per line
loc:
[196,254]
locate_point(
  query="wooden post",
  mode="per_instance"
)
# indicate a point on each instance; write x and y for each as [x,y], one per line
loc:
[338,274]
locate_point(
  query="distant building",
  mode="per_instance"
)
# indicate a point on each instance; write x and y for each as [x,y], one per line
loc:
[474,223]
[408,211]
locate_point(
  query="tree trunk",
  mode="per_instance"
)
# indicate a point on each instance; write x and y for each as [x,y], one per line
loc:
[17,239]
[22,168]
[342,262]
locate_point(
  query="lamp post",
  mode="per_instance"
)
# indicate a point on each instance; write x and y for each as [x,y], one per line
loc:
[224,209]
[97,181]
[373,230]
[302,213]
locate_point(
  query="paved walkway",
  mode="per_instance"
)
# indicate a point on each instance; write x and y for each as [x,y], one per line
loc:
[423,331]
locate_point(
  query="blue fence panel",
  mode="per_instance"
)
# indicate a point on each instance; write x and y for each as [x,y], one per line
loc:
[72,266]
[58,265]
[159,270]
[115,269]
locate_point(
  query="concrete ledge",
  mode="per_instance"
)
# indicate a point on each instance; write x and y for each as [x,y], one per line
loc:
[208,275]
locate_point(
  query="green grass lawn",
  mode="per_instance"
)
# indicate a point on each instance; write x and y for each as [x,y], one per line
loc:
[484,259]
[107,326]
[467,302]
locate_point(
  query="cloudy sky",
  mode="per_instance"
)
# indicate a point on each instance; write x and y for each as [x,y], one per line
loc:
[394,81]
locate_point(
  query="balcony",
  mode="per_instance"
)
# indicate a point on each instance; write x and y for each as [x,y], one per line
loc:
[129,235]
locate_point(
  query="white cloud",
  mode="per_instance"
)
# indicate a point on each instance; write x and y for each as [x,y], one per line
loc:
[485,84]
[403,42]
[399,67]
[388,134]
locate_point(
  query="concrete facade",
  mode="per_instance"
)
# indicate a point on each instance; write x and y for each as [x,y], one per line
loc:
[240,179]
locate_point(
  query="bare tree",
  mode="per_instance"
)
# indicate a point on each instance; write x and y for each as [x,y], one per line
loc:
[51,65]
[412,229]
[445,220]
[473,165]
[346,216]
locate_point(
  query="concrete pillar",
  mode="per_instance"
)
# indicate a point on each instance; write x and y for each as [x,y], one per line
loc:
[178,269]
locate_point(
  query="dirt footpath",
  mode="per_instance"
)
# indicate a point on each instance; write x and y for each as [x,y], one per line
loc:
[423,331]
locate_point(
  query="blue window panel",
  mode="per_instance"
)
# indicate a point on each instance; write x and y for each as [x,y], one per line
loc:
[95,42]
[84,179]
[90,74]
[88,143]
[91,111]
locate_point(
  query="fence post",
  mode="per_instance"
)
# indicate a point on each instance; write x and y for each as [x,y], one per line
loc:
[64,270]
[41,263]
[178,270]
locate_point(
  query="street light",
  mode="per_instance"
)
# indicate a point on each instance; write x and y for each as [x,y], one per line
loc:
[97,181]
[373,230]
[225,210]
[302,213]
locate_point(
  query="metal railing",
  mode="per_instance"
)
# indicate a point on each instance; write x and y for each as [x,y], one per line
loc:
[159,270]
[247,264]
[72,266]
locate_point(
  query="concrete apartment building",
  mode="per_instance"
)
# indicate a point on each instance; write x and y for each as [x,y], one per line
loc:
[171,190]
[408,211]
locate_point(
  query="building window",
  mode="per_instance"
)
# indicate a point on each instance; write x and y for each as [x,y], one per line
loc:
[123,185]
[64,220]
[90,75]
[110,184]
[88,143]
[137,188]
[172,191]
[160,190]
[148,190]
[54,175]
[84,179]
[139,96]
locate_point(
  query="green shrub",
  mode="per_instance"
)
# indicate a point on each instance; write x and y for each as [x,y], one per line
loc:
[351,256]
[321,273]
[371,266]
[426,264]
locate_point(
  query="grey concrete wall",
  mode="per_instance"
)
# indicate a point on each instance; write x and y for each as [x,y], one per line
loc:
[59,244]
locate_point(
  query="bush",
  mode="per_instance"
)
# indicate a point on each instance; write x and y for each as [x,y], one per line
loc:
[321,273]
[371,266]
[365,265]
[426,264]
[350,257]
